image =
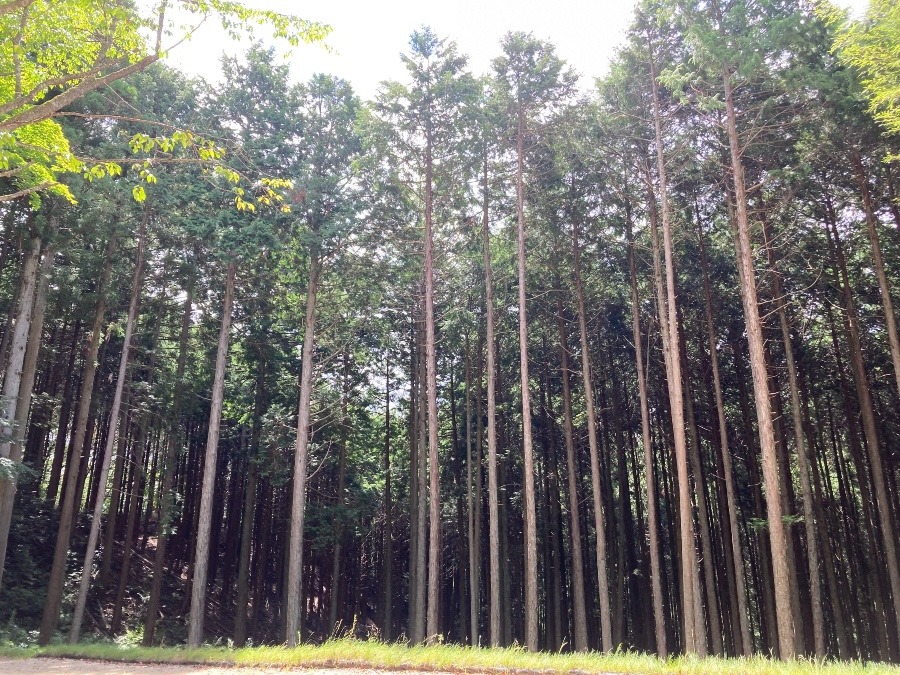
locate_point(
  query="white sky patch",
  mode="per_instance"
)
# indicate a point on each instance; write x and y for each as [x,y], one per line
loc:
[369,36]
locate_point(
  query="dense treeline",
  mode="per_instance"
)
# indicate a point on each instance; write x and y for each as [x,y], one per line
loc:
[502,362]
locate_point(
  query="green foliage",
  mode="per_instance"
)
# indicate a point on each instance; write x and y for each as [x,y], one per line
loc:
[872,46]
[54,52]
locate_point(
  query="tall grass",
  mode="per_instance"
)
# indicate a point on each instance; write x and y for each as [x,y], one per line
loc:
[448,658]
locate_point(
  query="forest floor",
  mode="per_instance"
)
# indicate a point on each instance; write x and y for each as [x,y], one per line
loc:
[353,657]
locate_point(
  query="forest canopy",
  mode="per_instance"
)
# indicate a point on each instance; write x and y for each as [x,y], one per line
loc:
[490,358]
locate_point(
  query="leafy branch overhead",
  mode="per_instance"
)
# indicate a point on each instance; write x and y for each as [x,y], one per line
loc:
[54,52]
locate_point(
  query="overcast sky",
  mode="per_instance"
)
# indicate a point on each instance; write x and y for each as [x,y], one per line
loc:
[369,36]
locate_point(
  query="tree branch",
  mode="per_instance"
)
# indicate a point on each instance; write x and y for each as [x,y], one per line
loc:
[48,108]
[27,191]
[14,6]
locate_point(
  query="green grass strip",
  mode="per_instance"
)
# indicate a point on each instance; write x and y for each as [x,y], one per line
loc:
[449,658]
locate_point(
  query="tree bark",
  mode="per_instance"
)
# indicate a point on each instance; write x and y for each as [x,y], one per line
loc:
[743,610]
[434,515]
[531,582]
[81,601]
[169,461]
[671,348]
[778,543]
[342,469]
[301,459]
[21,374]
[652,507]
[56,583]
[204,523]
[606,641]
[474,595]
[803,454]
[884,286]
[19,329]
[870,427]
[388,510]
[578,594]
[139,473]
[493,486]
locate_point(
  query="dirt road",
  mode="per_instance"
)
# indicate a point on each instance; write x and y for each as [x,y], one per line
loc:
[81,667]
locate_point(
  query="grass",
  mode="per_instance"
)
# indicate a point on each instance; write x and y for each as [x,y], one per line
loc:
[355,653]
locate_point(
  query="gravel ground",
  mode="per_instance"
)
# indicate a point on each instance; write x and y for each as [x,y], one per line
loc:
[82,667]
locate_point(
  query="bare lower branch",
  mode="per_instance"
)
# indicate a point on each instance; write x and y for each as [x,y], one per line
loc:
[27,191]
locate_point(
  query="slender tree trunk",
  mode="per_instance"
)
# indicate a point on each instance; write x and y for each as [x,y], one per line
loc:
[652,507]
[746,644]
[56,583]
[134,497]
[578,594]
[115,491]
[21,323]
[606,641]
[414,413]
[16,376]
[755,339]
[93,536]
[243,579]
[168,462]
[249,511]
[493,486]
[23,405]
[342,469]
[204,523]
[883,284]
[474,595]
[803,454]
[870,428]
[434,515]
[301,459]
[418,635]
[671,343]
[531,582]
[388,509]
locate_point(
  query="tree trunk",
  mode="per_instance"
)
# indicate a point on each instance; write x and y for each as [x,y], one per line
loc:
[755,339]
[96,520]
[652,506]
[671,343]
[703,518]
[16,376]
[415,411]
[434,515]
[883,284]
[578,594]
[204,523]
[743,610]
[493,486]
[56,583]
[803,454]
[339,502]
[388,509]
[531,582]
[249,510]
[870,428]
[474,595]
[168,462]
[418,634]
[606,642]
[301,459]
[134,498]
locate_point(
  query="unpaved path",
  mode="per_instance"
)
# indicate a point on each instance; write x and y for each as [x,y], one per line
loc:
[83,667]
